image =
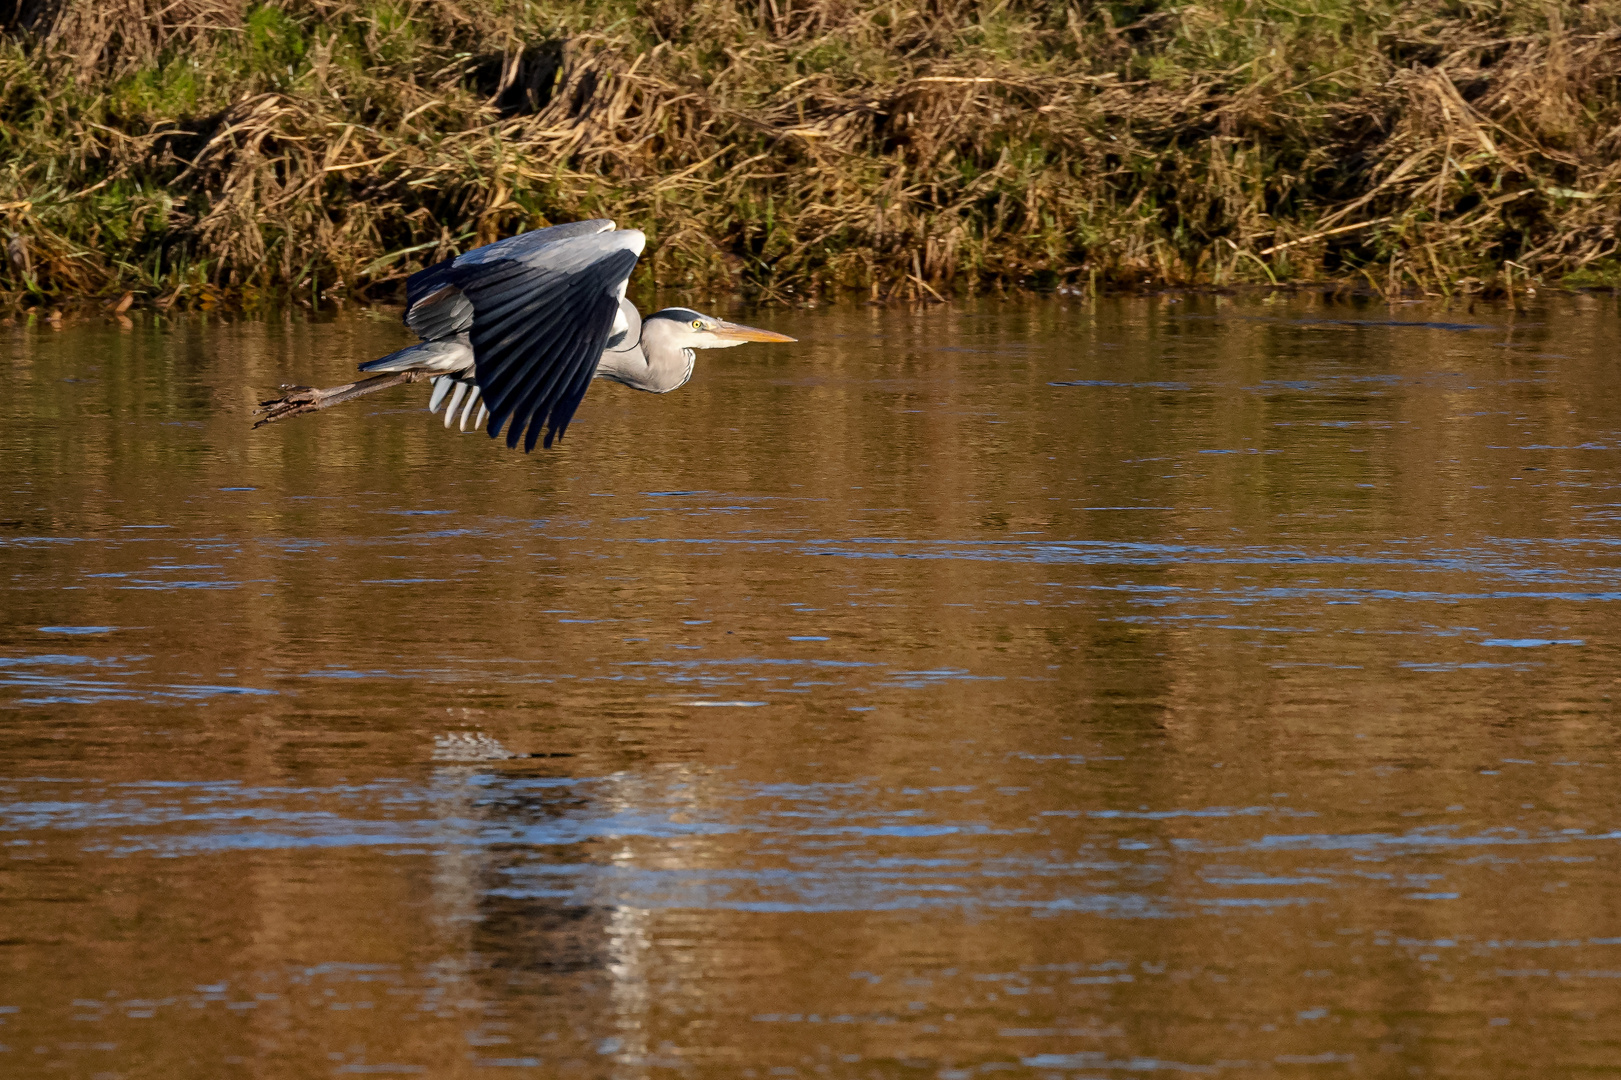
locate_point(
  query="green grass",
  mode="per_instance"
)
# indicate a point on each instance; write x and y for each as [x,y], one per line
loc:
[1599,274]
[203,152]
[272,41]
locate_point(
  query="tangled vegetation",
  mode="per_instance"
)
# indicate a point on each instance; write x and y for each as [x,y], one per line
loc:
[223,151]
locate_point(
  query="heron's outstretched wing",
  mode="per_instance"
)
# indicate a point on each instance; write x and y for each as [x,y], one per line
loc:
[540,320]
[436,309]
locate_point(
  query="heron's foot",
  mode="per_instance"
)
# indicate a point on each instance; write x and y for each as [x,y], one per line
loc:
[305,399]
[297,400]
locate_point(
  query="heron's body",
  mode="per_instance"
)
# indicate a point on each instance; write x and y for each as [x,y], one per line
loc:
[514,332]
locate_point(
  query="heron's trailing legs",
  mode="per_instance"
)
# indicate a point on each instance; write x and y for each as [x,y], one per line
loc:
[306,399]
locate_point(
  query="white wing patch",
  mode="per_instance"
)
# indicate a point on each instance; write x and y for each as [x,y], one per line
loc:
[462,393]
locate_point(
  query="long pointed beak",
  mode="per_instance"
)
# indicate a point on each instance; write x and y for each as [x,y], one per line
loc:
[737,332]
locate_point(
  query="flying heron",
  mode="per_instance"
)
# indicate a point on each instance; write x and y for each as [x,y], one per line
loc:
[514,332]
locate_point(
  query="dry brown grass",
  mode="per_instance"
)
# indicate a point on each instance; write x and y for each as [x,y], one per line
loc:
[209,151]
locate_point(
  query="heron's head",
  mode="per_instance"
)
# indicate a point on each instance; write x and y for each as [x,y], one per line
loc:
[684,328]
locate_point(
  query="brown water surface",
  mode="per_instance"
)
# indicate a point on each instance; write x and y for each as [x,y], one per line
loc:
[1209,687]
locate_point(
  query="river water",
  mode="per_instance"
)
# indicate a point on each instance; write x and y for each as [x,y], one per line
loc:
[1204,687]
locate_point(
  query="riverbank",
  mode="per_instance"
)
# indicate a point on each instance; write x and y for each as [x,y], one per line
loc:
[207,152]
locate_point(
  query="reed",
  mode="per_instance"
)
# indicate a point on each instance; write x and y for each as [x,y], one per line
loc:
[206,152]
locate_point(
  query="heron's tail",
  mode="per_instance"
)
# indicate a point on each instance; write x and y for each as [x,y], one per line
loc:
[304,399]
[451,354]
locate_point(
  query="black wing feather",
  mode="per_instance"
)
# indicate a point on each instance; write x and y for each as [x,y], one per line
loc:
[535,380]
[547,386]
[442,315]
[424,282]
[553,390]
[520,311]
[574,394]
[436,315]
[538,332]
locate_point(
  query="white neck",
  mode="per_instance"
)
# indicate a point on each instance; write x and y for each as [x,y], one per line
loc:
[658,364]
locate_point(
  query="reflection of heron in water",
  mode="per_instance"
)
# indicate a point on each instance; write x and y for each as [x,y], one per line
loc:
[492,822]
[513,333]
[564,943]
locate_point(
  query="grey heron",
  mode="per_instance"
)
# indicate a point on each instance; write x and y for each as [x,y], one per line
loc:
[514,332]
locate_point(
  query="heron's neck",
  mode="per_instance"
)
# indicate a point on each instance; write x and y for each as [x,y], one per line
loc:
[648,367]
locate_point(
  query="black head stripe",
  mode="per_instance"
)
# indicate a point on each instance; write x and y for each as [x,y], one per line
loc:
[677,314]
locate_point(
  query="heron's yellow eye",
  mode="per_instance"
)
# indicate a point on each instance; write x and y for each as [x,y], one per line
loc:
[697,324]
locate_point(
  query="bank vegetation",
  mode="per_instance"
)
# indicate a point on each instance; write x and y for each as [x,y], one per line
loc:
[222,152]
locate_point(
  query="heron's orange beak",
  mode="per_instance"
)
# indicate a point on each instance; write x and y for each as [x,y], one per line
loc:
[737,332]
